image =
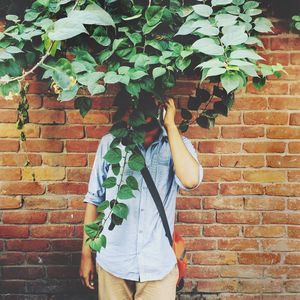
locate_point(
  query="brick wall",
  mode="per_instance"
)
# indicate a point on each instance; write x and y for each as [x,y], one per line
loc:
[241,226]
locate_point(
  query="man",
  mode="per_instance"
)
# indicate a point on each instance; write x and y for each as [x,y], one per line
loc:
[138,262]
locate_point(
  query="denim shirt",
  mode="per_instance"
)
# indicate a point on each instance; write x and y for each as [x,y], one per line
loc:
[139,249]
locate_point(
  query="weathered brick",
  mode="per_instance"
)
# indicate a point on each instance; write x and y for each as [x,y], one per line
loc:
[10,174]
[52,231]
[241,189]
[221,230]
[47,116]
[24,217]
[264,176]
[283,133]
[286,161]
[21,188]
[196,217]
[62,132]
[242,132]
[219,147]
[71,216]
[223,203]
[67,188]
[215,258]
[242,161]
[264,147]
[13,160]
[269,118]
[27,245]
[65,160]
[259,258]
[81,146]
[78,174]
[7,202]
[256,203]
[14,231]
[238,244]
[11,131]
[38,202]
[44,173]
[44,146]
[9,145]
[8,116]
[92,117]
[264,231]
[241,217]
[213,175]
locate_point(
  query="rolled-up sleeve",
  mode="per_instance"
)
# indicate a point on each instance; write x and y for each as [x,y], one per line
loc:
[193,152]
[96,192]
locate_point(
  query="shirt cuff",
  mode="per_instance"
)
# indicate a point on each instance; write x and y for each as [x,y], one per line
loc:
[93,199]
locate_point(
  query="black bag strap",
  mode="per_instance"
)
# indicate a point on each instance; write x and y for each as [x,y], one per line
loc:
[157,200]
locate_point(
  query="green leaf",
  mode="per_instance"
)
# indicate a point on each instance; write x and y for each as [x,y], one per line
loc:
[132,182]
[208,30]
[230,81]
[116,168]
[263,25]
[158,71]
[259,82]
[112,77]
[205,122]
[136,118]
[134,75]
[245,53]
[225,20]
[215,71]
[234,35]
[61,78]
[91,229]
[202,10]
[84,104]
[125,192]
[13,50]
[136,162]
[119,129]
[220,2]
[208,46]
[109,182]
[103,206]
[69,94]
[121,210]
[221,108]
[113,155]
[186,114]
[154,14]
[92,15]
[66,28]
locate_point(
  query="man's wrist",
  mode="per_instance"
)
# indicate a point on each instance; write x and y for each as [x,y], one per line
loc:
[170,126]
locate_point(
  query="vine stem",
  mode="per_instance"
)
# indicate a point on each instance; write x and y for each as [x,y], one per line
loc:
[118,187]
[21,77]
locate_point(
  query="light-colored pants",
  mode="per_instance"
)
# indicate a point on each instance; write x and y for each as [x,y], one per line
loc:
[111,287]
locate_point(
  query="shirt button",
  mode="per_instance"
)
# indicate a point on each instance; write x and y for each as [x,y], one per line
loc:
[140,231]
[142,209]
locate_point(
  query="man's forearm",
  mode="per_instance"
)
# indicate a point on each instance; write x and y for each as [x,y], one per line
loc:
[89,217]
[186,168]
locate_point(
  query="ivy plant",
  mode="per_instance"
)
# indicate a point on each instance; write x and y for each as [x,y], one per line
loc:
[143,47]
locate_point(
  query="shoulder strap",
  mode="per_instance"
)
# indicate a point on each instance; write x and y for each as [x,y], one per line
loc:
[155,195]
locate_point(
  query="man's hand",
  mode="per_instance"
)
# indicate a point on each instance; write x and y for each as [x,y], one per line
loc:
[87,271]
[169,119]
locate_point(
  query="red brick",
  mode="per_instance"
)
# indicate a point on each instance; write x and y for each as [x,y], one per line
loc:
[195,131]
[234,117]
[271,87]
[14,231]
[255,203]
[293,204]
[294,88]
[10,174]
[242,132]
[263,285]
[11,131]
[210,160]
[294,119]
[66,245]
[23,272]
[21,188]
[284,102]
[207,189]
[35,101]
[243,271]
[286,161]
[238,244]
[62,132]
[67,188]
[10,202]
[273,58]
[241,189]
[196,217]
[188,230]
[50,102]
[200,244]
[44,146]
[221,230]
[8,116]
[67,217]
[283,133]
[264,176]
[24,217]
[78,174]
[264,147]
[47,116]
[259,258]
[295,58]
[52,231]
[27,245]
[294,147]
[13,160]
[36,87]
[48,203]
[188,203]
[241,217]
[280,245]
[292,259]
[223,203]
[39,258]
[269,118]
[293,232]
[97,131]
[250,103]
[92,117]
[9,145]
[283,190]
[65,160]
[81,146]
[285,43]
[215,258]
[242,161]
[62,272]
[12,258]
[219,147]
[264,231]
[217,286]
[281,218]
[201,272]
